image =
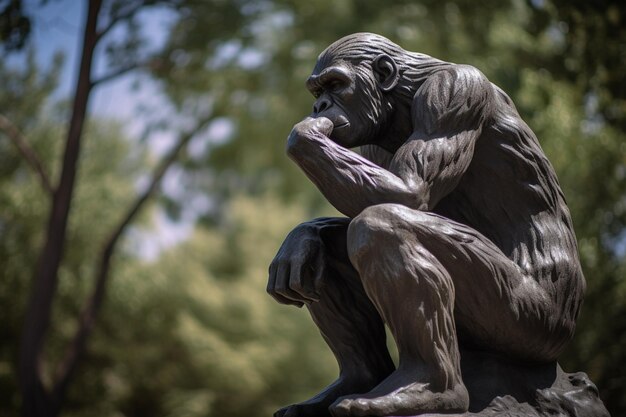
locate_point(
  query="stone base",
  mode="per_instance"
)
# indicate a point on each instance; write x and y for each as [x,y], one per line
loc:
[501,387]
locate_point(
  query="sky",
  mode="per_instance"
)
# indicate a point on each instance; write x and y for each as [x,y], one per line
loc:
[58,26]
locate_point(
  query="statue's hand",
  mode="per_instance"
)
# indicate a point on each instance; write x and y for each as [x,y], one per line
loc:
[307,128]
[297,271]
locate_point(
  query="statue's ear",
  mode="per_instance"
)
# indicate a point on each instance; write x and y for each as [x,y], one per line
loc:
[386,72]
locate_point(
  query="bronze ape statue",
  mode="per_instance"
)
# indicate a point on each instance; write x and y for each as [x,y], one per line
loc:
[457,234]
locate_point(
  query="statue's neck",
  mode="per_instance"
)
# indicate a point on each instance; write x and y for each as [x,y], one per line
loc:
[397,130]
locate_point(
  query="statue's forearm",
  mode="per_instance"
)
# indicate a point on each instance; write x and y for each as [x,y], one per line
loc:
[348,181]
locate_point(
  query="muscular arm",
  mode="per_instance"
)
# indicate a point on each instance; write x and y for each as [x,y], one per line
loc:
[448,112]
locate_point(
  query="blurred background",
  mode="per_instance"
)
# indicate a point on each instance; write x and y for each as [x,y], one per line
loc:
[144,187]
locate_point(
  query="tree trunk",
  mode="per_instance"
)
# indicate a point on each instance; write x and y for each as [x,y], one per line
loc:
[36,400]
[90,311]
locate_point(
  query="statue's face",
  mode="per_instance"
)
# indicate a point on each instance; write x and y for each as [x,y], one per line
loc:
[347,100]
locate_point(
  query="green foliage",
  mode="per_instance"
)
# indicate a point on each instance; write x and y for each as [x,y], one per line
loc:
[205,339]
[591,37]
[105,187]
[193,333]
[22,209]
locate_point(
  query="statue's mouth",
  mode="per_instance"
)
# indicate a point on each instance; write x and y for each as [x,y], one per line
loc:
[341,125]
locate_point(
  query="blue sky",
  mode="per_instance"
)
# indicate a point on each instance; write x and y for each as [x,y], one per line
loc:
[58,26]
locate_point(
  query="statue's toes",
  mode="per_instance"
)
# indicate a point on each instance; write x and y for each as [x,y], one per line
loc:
[352,407]
[341,408]
[360,407]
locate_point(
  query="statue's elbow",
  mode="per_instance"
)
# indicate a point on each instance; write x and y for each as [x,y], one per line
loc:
[419,198]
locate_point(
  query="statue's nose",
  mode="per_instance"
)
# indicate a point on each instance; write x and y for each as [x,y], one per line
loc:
[322,104]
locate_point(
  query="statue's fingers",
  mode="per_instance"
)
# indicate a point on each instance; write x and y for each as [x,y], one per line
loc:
[272,290]
[301,282]
[282,285]
[324,125]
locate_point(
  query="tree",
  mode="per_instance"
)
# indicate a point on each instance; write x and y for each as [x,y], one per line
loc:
[37,398]
[224,348]
[108,164]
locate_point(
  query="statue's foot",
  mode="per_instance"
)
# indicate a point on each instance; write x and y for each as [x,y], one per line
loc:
[318,405]
[399,396]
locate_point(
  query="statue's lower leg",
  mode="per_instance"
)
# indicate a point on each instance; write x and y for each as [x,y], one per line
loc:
[355,333]
[414,294]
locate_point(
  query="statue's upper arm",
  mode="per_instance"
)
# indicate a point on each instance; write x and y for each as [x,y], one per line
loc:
[448,113]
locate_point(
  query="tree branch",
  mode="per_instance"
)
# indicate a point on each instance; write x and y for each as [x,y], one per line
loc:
[116,73]
[27,152]
[92,305]
[115,20]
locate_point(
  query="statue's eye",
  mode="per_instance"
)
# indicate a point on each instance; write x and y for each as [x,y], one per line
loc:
[317,93]
[335,85]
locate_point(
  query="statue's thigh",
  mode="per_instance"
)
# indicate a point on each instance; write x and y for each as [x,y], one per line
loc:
[496,305]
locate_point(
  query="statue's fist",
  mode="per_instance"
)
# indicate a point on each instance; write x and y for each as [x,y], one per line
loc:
[308,128]
[312,125]
[295,274]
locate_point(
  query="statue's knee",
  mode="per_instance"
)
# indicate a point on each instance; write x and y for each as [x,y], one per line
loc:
[371,231]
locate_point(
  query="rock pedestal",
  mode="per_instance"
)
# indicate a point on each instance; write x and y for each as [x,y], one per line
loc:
[502,387]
